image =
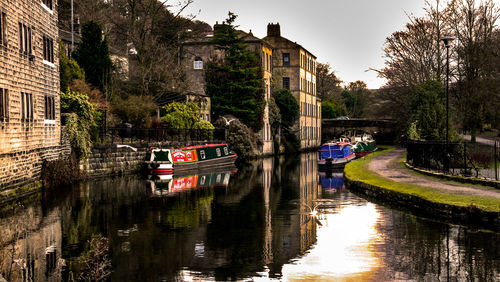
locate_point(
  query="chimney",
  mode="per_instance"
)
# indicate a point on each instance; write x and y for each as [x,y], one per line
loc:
[273,30]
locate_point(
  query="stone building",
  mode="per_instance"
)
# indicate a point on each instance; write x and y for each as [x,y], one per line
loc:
[196,53]
[294,68]
[29,89]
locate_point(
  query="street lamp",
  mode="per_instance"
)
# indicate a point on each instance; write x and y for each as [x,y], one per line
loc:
[447,40]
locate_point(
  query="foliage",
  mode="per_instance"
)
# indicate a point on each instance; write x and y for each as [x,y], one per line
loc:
[96,97]
[235,82]
[203,124]
[92,55]
[181,115]
[416,55]
[274,115]
[412,131]
[327,83]
[355,97]
[81,116]
[288,106]
[95,262]
[331,109]
[60,172]
[69,70]
[429,110]
[240,138]
[155,35]
[77,131]
[137,110]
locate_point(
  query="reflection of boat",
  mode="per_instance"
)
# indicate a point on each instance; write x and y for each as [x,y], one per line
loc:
[332,181]
[334,155]
[164,161]
[164,185]
[364,145]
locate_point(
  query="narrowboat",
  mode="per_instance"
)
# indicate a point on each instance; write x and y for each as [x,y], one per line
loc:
[364,145]
[190,158]
[335,155]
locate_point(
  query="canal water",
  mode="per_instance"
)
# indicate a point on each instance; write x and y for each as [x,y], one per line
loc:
[274,220]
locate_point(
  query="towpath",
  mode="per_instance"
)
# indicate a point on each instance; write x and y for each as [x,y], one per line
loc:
[387,165]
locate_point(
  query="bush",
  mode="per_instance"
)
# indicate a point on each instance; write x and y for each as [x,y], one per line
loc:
[63,171]
[181,115]
[240,138]
[137,110]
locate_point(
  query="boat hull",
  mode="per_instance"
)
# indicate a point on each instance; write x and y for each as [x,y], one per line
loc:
[329,164]
[205,164]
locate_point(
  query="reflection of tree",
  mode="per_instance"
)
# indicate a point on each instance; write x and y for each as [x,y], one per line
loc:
[422,250]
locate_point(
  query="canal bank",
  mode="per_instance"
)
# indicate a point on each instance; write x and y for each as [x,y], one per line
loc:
[382,176]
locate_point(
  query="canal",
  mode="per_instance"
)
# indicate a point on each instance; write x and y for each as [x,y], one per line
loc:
[274,220]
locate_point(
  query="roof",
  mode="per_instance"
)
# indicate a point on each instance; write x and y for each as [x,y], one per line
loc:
[269,38]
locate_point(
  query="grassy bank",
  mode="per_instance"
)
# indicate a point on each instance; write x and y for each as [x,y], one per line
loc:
[357,171]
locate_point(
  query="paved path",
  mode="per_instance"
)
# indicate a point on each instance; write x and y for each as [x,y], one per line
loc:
[388,166]
[481,140]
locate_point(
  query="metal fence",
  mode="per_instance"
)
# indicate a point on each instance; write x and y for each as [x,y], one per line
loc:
[458,158]
[132,135]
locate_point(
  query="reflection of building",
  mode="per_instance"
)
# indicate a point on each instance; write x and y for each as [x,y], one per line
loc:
[197,53]
[294,68]
[35,246]
[29,89]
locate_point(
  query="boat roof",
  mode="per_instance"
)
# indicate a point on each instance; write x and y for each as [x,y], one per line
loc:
[201,146]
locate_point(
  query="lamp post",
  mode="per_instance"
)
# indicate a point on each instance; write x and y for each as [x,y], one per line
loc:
[447,40]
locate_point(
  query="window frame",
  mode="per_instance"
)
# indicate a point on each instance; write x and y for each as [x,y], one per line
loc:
[3,28]
[198,63]
[286,59]
[287,84]
[4,104]
[26,107]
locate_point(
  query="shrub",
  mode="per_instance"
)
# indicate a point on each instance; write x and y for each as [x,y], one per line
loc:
[137,110]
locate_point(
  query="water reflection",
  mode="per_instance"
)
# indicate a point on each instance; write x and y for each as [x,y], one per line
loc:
[255,223]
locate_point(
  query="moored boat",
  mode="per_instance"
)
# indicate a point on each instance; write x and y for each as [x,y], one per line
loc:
[335,155]
[165,161]
[364,145]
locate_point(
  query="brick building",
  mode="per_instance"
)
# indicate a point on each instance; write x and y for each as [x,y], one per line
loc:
[29,89]
[195,55]
[294,68]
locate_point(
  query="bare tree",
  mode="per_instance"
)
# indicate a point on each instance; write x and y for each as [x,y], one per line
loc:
[473,24]
[327,83]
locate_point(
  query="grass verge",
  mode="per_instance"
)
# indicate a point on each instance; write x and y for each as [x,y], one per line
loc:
[358,171]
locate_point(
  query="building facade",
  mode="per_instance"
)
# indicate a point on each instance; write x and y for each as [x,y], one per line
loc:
[29,89]
[198,52]
[294,68]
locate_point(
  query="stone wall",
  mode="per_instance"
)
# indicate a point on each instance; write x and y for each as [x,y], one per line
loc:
[107,160]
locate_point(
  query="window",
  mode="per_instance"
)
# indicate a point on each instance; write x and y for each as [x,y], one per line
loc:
[225,151]
[286,83]
[202,154]
[218,152]
[3,29]
[24,39]
[26,106]
[47,3]
[4,104]
[198,63]
[286,59]
[50,108]
[48,49]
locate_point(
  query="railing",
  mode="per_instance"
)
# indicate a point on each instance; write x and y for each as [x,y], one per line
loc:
[114,135]
[463,158]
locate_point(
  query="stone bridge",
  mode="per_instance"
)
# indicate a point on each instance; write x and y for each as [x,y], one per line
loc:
[382,129]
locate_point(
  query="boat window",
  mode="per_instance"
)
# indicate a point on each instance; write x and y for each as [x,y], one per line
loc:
[225,151]
[202,154]
[202,181]
[218,152]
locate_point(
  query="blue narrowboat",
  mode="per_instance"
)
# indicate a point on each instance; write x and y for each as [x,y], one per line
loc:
[335,155]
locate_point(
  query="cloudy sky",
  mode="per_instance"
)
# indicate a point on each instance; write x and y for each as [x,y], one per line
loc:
[347,34]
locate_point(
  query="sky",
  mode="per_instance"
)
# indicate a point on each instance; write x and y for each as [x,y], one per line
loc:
[347,34]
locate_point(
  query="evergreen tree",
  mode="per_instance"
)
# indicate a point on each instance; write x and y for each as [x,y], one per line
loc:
[93,56]
[288,107]
[235,82]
